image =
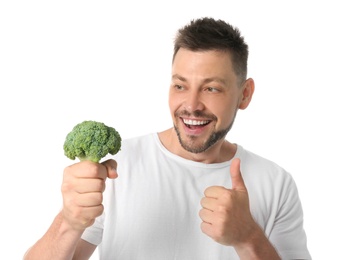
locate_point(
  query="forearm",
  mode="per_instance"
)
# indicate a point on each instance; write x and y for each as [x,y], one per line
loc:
[59,242]
[258,247]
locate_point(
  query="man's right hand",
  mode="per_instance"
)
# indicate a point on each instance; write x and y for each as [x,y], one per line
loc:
[82,190]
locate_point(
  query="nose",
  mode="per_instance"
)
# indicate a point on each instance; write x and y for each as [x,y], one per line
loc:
[193,102]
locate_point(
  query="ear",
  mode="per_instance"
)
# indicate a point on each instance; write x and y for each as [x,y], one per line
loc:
[247,93]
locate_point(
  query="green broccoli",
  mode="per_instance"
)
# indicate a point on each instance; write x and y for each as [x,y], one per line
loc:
[91,140]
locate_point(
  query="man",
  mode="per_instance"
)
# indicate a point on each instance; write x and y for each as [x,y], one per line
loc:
[186,192]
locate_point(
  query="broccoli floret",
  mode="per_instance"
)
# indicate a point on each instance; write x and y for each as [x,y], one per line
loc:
[91,140]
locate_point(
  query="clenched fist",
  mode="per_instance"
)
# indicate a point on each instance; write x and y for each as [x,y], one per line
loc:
[82,190]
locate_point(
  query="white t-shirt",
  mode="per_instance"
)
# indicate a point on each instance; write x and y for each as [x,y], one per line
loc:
[152,208]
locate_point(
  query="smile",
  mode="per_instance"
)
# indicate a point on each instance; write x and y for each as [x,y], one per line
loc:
[191,122]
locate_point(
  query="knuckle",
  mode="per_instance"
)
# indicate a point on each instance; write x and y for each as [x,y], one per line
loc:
[92,169]
[65,187]
[227,196]
[222,208]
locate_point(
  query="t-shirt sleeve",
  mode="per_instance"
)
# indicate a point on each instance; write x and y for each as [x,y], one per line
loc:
[288,234]
[93,234]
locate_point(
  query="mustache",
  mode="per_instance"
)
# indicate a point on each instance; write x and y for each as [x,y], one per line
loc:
[197,114]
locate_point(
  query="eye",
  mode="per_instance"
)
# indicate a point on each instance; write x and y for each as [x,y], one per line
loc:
[212,90]
[178,87]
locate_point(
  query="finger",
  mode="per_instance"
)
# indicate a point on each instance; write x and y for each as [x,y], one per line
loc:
[214,191]
[207,228]
[111,166]
[89,199]
[209,203]
[236,177]
[206,215]
[85,185]
[86,169]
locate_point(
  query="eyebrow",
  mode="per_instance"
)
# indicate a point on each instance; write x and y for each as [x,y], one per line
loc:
[207,80]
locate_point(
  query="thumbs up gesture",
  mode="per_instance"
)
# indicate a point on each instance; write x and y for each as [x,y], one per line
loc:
[225,213]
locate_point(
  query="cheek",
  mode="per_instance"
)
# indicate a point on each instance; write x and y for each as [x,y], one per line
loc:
[224,113]
[173,103]
[172,106]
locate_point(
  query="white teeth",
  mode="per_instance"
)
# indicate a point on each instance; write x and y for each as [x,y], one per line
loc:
[194,122]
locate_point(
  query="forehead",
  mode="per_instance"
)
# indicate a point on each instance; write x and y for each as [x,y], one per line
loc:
[208,63]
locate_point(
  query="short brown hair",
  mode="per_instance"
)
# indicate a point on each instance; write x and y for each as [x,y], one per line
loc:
[210,34]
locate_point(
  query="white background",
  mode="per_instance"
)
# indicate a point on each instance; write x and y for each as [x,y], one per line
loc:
[62,62]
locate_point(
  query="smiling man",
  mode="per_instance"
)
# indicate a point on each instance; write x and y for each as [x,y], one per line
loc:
[187,192]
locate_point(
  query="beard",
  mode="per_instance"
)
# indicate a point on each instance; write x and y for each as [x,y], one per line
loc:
[192,146]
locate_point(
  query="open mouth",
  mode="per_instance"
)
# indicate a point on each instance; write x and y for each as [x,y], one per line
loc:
[194,123]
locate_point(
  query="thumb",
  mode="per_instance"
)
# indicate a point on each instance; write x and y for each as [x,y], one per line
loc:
[111,166]
[237,180]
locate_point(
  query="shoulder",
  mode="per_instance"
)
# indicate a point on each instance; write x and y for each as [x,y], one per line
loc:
[272,189]
[251,160]
[258,170]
